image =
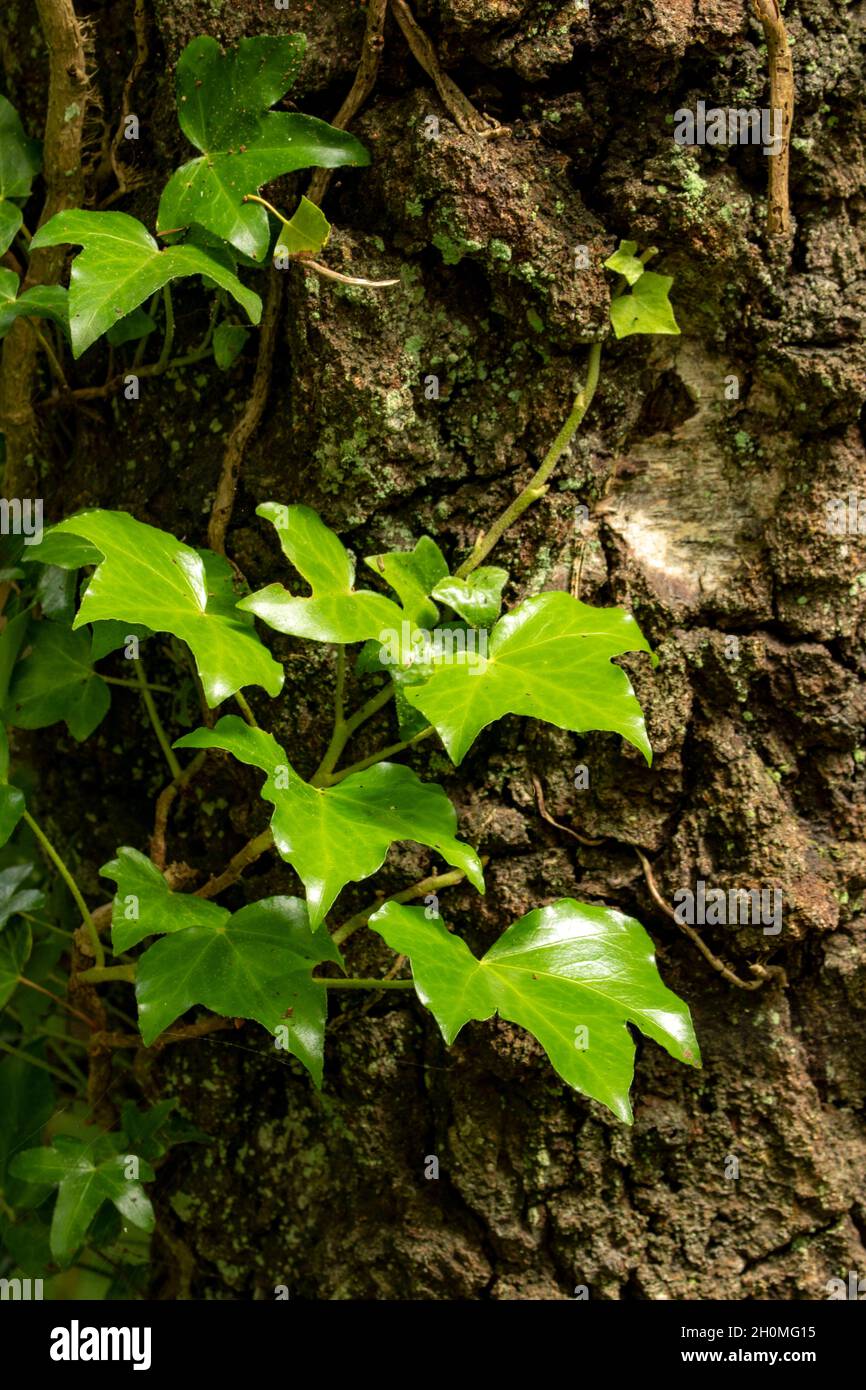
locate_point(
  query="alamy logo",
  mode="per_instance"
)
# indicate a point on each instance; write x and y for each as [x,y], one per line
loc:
[728,126]
[76,1343]
[846,516]
[20,1289]
[413,645]
[855,1287]
[21,517]
[738,907]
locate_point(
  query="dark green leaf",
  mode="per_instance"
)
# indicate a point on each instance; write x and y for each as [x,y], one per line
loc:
[16,944]
[573,975]
[56,681]
[14,898]
[223,104]
[257,965]
[131,328]
[19,162]
[228,343]
[86,1175]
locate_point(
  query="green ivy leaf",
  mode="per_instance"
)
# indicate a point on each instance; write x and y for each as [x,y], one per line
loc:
[573,975]
[625,261]
[110,635]
[336,612]
[413,575]
[12,803]
[228,343]
[145,575]
[55,681]
[223,106]
[121,265]
[131,328]
[257,964]
[19,162]
[645,308]
[144,905]
[151,1133]
[550,659]
[306,233]
[14,898]
[86,1175]
[39,302]
[55,593]
[26,1104]
[341,834]
[16,943]
[478,598]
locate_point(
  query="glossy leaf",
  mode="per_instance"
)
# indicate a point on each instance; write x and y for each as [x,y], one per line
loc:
[256,964]
[86,1175]
[16,943]
[223,106]
[573,975]
[39,302]
[147,576]
[341,834]
[645,308]
[550,659]
[477,598]
[56,681]
[121,265]
[144,905]
[19,162]
[413,575]
[335,612]
[13,897]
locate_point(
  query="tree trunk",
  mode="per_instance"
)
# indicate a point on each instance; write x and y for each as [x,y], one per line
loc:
[696,496]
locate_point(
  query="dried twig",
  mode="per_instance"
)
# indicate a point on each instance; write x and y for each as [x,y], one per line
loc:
[467,119]
[365,81]
[248,423]
[545,815]
[782,100]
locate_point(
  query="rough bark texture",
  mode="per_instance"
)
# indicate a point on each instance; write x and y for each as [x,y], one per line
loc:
[706,518]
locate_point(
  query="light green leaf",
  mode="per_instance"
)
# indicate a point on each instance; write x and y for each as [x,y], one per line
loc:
[14,898]
[16,943]
[147,576]
[19,162]
[257,964]
[478,598]
[625,261]
[550,659]
[341,834]
[39,302]
[56,681]
[228,344]
[335,612]
[306,232]
[573,975]
[144,905]
[121,265]
[645,308]
[223,105]
[86,1175]
[413,575]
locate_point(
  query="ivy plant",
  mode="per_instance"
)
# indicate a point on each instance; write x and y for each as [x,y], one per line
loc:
[422,639]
